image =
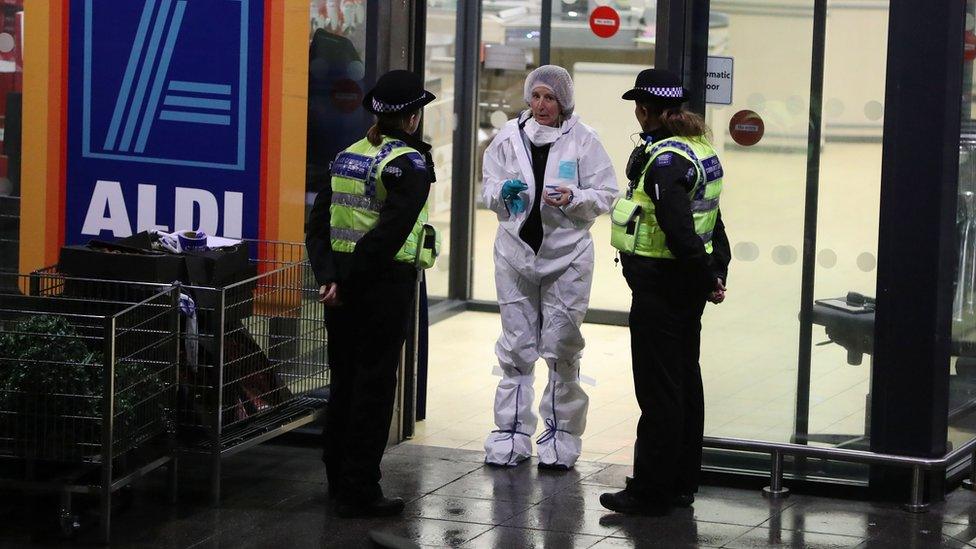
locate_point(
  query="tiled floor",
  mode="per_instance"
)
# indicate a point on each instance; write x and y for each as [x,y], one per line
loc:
[275,497]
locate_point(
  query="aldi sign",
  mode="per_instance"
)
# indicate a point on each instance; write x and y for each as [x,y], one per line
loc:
[165,109]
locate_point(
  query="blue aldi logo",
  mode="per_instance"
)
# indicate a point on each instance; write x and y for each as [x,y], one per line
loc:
[165,107]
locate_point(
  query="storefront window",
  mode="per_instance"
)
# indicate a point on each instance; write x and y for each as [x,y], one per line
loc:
[511,38]
[757,384]
[749,344]
[439,123]
[603,69]
[337,79]
[510,44]
[11,94]
[962,383]
[847,223]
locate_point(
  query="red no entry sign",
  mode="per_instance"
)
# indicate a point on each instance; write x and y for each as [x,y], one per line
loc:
[747,128]
[970,46]
[604,21]
[347,95]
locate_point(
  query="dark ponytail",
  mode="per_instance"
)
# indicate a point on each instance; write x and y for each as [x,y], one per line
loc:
[388,123]
[678,121]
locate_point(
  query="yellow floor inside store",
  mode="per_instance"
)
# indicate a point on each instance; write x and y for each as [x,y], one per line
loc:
[749,344]
[743,398]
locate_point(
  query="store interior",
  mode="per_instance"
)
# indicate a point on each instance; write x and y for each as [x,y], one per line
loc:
[751,343]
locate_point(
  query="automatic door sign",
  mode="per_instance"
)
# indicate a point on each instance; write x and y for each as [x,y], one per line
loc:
[165,105]
[718,84]
[747,128]
[604,21]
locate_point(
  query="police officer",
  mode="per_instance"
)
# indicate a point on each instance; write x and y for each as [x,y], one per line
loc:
[675,257]
[366,239]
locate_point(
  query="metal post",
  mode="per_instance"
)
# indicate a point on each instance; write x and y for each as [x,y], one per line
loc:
[810,216]
[917,504]
[411,357]
[218,418]
[545,33]
[695,69]
[108,417]
[776,490]
[172,470]
[466,59]
[418,39]
[910,407]
[970,483]
[669,52]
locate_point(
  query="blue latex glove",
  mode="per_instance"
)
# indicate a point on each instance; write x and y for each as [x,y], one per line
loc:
[512,188]
[510,194]
[516,205]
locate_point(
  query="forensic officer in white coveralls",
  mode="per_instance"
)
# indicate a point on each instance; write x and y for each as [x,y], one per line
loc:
[547,177]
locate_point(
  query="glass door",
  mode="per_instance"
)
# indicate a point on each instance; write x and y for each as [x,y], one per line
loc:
[337,81]
[510,37]
[962,382]
[787,357]
[440,60]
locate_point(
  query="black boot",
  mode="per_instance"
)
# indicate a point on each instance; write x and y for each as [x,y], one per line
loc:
[379,507]
[683,500]
[553,467]
[628,503]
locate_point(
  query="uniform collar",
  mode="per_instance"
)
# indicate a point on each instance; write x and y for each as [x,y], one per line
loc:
[411,141]
[656,135]
[420,146]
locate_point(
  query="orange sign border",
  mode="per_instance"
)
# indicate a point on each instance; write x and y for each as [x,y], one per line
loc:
[282,211]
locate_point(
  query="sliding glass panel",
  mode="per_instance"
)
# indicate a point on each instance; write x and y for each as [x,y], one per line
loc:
[510,50]
[439,126]
[962,383]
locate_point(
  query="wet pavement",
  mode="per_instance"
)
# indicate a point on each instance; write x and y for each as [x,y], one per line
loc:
[274,496]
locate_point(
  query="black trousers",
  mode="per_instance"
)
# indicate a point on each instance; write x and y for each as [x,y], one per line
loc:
[665,331]
[366,335]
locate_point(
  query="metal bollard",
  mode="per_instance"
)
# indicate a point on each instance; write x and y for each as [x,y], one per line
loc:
[776,490]
[917,505]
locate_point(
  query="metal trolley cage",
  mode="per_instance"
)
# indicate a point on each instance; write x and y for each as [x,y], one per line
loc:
[88,391]
[260,345]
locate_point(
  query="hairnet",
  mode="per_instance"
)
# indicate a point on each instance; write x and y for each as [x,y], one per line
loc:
[556,79]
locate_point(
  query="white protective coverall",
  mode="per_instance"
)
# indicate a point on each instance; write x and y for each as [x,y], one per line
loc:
[543,298]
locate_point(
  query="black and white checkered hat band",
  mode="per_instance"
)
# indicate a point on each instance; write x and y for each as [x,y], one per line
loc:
[380,106]
[677,92]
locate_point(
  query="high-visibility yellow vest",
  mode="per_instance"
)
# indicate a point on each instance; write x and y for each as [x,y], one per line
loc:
[358,195]
[704,195]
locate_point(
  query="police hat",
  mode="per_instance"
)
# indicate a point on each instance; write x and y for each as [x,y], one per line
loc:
[658,85]
[397,92]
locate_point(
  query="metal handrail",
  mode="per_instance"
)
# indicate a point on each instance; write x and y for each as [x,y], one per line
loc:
[777,450]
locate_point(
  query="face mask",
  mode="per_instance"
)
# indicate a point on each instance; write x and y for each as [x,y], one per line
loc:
[541,135]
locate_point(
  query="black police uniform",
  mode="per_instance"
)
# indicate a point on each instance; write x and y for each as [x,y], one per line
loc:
[367,331]
[669,296]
